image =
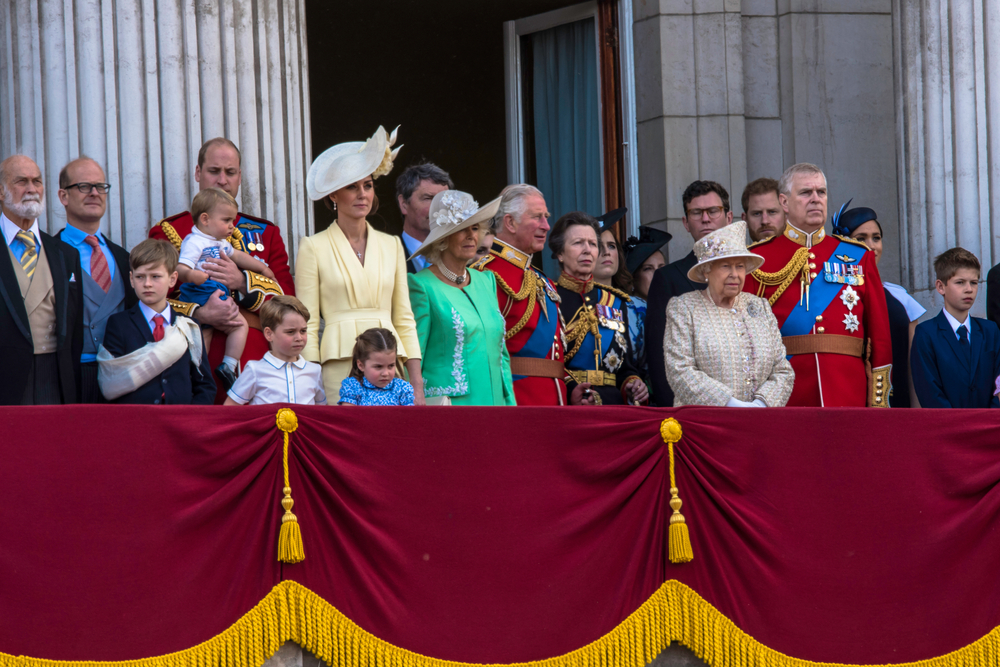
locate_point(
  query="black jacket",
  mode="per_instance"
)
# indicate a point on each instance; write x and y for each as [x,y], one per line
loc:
[668,282]
[181,384]
[16,347]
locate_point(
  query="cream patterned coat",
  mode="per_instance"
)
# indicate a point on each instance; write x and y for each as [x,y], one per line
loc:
[713,354]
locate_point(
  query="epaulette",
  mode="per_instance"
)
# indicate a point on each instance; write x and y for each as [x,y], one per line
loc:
[182,307]
[614,290]
[848,239]
[169,231]
[480,264]
[763,241]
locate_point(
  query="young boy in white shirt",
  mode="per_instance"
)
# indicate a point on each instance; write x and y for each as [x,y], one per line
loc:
[283,375]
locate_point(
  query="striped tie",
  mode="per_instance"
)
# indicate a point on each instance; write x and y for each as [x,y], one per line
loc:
[99,270]
[30,257]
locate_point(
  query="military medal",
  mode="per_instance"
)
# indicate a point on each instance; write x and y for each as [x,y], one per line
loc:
[851,322]
[843,274]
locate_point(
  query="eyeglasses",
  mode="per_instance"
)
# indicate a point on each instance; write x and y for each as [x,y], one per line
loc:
[713,212]
[85,188]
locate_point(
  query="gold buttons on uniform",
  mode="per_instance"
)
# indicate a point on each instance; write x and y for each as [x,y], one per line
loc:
[812,255]
[812,265]
[819,318]
[820,329]
[813,275]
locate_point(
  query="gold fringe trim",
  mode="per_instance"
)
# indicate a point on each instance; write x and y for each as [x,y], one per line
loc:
[674,613]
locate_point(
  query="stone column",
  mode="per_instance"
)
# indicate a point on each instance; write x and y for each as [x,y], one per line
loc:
[689,105]
[138,85]
[947,89]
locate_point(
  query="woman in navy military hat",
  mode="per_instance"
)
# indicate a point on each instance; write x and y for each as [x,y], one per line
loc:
[861,224]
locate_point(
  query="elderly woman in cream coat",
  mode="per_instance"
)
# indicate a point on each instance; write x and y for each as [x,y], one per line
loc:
[351,275]
[722,346]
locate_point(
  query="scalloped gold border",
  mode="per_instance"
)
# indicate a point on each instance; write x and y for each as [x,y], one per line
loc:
[291,612]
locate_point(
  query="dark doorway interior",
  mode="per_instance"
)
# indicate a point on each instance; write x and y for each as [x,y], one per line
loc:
[436,69]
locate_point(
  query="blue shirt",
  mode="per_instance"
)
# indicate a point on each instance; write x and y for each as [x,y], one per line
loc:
[75,237]
[10,231]
[397,392]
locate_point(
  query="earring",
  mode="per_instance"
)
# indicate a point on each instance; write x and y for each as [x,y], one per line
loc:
[334,204]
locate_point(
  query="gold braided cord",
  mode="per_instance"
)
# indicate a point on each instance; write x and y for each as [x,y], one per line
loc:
[674,613]
[528,291]
[583,322]
[783,278]
[171,233]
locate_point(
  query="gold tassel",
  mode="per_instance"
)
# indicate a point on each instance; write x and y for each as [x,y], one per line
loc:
[290,537]
[678,539]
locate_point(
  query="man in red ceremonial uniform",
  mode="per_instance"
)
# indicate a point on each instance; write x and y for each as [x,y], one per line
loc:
[529,302]
[826,292]
[219,167]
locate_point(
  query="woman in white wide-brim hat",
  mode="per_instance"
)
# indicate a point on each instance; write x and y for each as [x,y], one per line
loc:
[351,275]
[722,345]
[459,323]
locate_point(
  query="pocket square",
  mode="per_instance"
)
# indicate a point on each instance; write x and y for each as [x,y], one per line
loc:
[72,277]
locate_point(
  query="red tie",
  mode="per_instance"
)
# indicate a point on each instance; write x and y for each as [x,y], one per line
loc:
[99,270]
[158,329]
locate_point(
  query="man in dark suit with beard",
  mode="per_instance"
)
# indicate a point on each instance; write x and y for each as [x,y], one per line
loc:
[706,209]
[40,331]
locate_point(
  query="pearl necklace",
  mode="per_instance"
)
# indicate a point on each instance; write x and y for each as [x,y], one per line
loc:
[453,277]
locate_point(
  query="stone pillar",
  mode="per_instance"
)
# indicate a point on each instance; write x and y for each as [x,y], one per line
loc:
[818,88]
[947,118]
[689,105]
[139,85]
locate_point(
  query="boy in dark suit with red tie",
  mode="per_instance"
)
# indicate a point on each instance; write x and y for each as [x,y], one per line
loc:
[153,274]
[955,358]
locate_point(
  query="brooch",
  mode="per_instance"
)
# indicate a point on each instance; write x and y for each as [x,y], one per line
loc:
[851,322]
[846,259]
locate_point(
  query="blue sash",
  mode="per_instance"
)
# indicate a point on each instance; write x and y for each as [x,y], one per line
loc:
[821,294]
[540,342]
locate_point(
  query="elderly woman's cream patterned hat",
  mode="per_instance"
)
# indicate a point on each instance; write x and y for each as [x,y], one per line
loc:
[452,211]
[725,243]
[343,164]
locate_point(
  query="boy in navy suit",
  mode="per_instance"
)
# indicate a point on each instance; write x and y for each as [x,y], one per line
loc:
[955,358]
[153,274]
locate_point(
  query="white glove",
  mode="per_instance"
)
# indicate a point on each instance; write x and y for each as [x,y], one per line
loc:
[737,403]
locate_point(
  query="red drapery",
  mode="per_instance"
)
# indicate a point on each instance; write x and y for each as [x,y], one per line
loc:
[499,535]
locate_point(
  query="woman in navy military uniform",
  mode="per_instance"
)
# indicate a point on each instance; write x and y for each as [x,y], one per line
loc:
[597,345]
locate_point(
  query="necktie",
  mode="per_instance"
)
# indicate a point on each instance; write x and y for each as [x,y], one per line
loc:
[158,329]
[30,257]
[963,335]
[99,270]
[963,343]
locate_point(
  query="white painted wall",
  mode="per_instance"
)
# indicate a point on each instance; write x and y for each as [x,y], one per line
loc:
[139,85]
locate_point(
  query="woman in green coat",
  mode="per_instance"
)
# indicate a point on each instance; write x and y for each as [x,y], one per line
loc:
[459,325]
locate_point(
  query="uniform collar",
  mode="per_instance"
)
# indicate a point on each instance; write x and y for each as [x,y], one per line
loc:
[511,254]
[799,237]
[574,285]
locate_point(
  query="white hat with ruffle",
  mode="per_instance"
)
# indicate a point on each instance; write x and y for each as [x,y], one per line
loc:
[343,164]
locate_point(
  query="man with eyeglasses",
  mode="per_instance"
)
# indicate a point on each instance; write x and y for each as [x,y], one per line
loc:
[40,333]
[105,288]
[706,209]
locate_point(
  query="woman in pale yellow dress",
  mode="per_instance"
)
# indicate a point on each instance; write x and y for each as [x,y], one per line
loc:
[351,275]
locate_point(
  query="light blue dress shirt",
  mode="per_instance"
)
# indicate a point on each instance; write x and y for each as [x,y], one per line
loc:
[75,237]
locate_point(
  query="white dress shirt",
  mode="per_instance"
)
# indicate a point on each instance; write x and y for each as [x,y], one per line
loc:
[10,231]
[272,380]
[149,314]
[955,324]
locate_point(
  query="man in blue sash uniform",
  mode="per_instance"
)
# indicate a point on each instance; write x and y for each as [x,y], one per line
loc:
[827,295]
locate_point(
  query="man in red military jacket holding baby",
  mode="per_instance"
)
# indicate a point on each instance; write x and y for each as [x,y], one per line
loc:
[827,295]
